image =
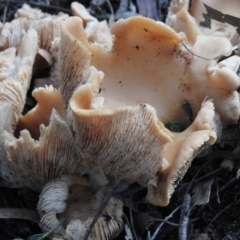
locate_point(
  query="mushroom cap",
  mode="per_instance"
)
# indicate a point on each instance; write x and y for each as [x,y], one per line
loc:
[80,11]
[78,204]
[48,98]
[169,73]
[54,154]
[178,155]
[182,21]
[126,139]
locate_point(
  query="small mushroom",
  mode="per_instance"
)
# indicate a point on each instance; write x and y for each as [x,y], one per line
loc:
[72,199]
[182,21]
[80,11]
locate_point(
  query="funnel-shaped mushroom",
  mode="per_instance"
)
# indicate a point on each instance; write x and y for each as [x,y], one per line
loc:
[69,197]
[116,130]
[149,60]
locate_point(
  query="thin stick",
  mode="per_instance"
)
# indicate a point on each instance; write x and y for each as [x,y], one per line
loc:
[162,220]
[183,229]
[228,206]
[160,226]
[128,223]
[227,185]
[19,213]
[209,174]
[100,210]
[5,11]
[195,176]
[131,217]
[111,19]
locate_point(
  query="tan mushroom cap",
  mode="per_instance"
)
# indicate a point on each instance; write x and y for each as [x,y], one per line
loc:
[130,143]
[78,204]
[149,55]
[178,155]
[125,139]
[80,11]
[47,98]
[182,21]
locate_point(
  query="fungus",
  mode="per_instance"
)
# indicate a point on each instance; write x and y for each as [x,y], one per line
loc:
[72,199]
[117,130]
[16,72]
[159,51]
[31,13]
[47,99]
[80,11]
[13,32]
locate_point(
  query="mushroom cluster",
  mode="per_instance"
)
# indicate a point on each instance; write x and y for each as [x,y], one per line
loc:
[100,114]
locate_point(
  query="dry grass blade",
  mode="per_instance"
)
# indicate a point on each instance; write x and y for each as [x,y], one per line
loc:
[19,213]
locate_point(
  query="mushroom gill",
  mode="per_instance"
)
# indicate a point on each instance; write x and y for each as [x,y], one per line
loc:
[38,162]
[114,123]
[74,199]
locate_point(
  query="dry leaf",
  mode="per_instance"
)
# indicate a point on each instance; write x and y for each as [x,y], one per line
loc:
[201,192]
